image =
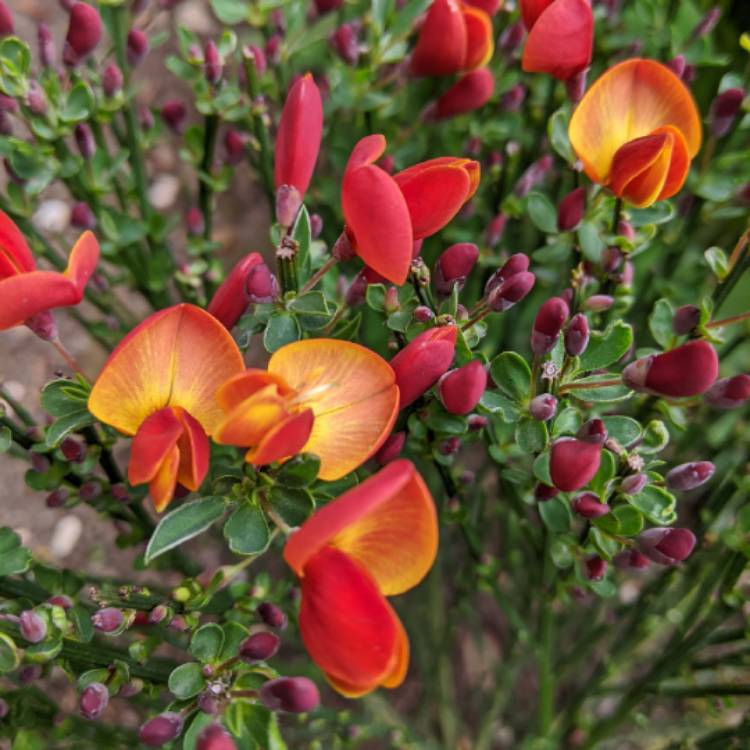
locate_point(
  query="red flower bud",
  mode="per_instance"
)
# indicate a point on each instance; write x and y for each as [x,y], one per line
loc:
[724,110]
[454,265]
[214,737]
[595,568]
[235,145]
[571,210]
[299,136]
[469,93]
[450,446]
[419,365]
[60,600]
[112,79]
[82,217]
[688,370]
[577,335]
[258,57]
[495,230]
[543,407]
[326,6]
[588,505]
[461,389]
[261,285]
[423,314]
[291,694]
[272,615]
[174,114]
[729,393]
[33,627]
[6,20]
[94,700]
[543,492]
[514,265]
[316,225]
[84,32]
[196,224]
[548,324]
[85,140]
[633,484]
[288,203]
[137,47]
[212,63]
[231,298]
[511,291]
[689,476]
[272,49]
[107,620]
[666,546]
[391,448]
[677,65]
[259,646]
[161,729]
[685,319]
[89,491]
[533,176]
[73,450]
[56,498]
[631,558]
[46,44]
[355,294]
[573,463]
[511,38]
[346,43]
[477,422]
[593,431]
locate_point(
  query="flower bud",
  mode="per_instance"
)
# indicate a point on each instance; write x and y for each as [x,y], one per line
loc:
[548,324]
[4,708]
[207,702]
[214,737]
[93,700]
[677,65]
[46,43]
[690,475]
[543,492]
[450,446]
[577,335]
[666,546]
[89,491]
[595,568]
[60,600]
[288,203]
[6,20]
[453,266]
[729,393]
[261,285]
[258,57]
[355,294]
[724,110]
[707,24]
[272,48]
[73,450]
[573,463]
[460,390]
[593,431]
[85,140]
[36,99]
[510,292]
[235,145]
[516,264]
[477,422]
[326,6]
[688,370]
[543,407]
[391,448]
[212,63]
[513,98]
[29,673]
[598,302]
[107,620]
[419,365]
[82,217]
[84,33]
[633,483]
[56,498]
[112,79]
[685,319]
[511,38]
[533,176]
[576,85]
[588,505]
[571,210]
[291,694]
[316,225]
[161,729]
[391,303]
[423,314]
[137,47]
[272,615]
[259,646]
[174,114]
[495,230]
[346,44]
[43,325]
[33,627]
[196,224]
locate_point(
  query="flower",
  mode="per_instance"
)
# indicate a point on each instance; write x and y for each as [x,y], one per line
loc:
[453,37]
[159,386]
[561,37]
[385,215]
[461,389]
[573,463]
[378,539]
[332,398]
[468,93]
[454,265]
[231,298]
[636,130]
[25,291]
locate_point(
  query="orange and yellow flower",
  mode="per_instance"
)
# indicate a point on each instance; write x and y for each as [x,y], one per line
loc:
[332,398]
[159,385]
[378,539]
[636,131]
[25,291]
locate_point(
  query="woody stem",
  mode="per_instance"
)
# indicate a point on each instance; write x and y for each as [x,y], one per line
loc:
[67,356]
[318,275]
[729,321]
[479,316]
[585,386]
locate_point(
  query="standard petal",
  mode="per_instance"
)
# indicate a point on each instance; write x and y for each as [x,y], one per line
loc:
[441,46]
[153,442]
[15,255]
[282,441]
[479,42]
[347,626]
[352,393]
[27,294]
[176,357]
[387,523]
[82,261]
[378,216]
[629,101]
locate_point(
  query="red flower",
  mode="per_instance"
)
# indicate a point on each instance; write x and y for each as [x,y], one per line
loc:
[461,389]
[471,92]
[84,32]
[573,463]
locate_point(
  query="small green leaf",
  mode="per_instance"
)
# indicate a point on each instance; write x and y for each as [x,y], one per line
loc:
[655,437]
[542,212]
[375,297]
[512,374]
[63,397]
[63,426]
[629,519]
[312,309]
[556,515]
[201,720]
[531,435]
[230,11]
[14,558]
[446,424]
[656,503]
[608,347]
[282,329]
[623,429]
[660,323]
[557,132]
[186,680]
[591,243]
[6,439]
[495,403]
[207,643]
[78,105]
[293,504]
[600,394]
[183,523]
[246,530]
[606,472]
[9,659]
[717,262]
[541,468]
[234,634]
[300,471]
[567,422]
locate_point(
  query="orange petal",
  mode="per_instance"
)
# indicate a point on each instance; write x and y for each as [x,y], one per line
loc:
[162,486]
[368,150]
[245,384]
[352,393]
[83,259]
[378,216]
[27,294]
[630,100]
[347,626]
[284,440]
[195,452]
[247,423]
[15,255]
[441,46]
[387,523]
[561,40]
[479,42]
[176,357]
[679,165]
[152,444]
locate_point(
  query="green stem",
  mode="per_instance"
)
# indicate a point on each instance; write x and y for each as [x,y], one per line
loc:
[18,408]
[205,196]
[546,645]
[261,133]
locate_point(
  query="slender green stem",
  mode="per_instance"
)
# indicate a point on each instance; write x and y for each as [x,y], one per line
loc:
[18,408]
[261,132]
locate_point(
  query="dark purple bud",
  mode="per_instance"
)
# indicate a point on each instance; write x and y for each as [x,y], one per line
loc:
[89,491]
[288,203]
[513,98]
[38,462]
[291,694]
[495,230]
[724,110]
[593,431]
[261,286]
[36,99]
[625,229]
[599,302]
[82,217]
[454,265]
[677,65]
[477,422]
[256,54]
[346,43]
[33,626]
[548,324]
[146,118]
[633,483]
[56,498]
[707,24]
[588,505]
[196,224]
[517,263]
[120,493]
[84,33]
[543,492]
[235,145]
[612,258]
[107,620]
[29,673]
[729,393]
[543,407]
[46,46]
[272,615]
[215,737]
[355,294]
[689,476]
[571,210]
[511,38]
[450,446]
[73,450]
[577,335]
[533,176]
[137,46]
[212,63]
[576,85]
[666,546]
[259,646]
[326,6]
[60,600]
[423,314]
[510,292]
[161,729]
[85,140]
[273,49]
[685,319]
[209,703]
[4,708]
[174,114]
[316,225]
[93,701]
[595,568]
[277,21]
[43,325]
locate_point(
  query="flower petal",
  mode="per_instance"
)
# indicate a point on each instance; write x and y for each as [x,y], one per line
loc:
[468,93]
[479,42]
[352,393]
[367,150]
[387,523]
[640,167]
[249,421]
[15,254]
[247,383]
[441,46]
[284,440]
[176,357]
[152,444]
[162,486]
[195,452]
[629,101]
[82,261]
[27,294]
[531,10]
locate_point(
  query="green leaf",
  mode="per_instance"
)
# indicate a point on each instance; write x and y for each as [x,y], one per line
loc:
[63,397]
[655,437]
[207,643]
[234,634]
[6,439]
[541,468]
[494,403]
[9,659]
[600,394]
[567,422]
[300,471]
[375,297]
[446,424]
[230,11]
[656,503]
[282,329]
[542,212]
[660,323]
[717,262]
[513,377]
[293,504]
[312,309]
[591,243]
[557,132]
[63,426]
[201,720]
[556,515]
[183,523]
[14,558]
[607,347]
[302,235]
[186,680]
[531,435]
[629,520]
[604,544]
[246,530]
[78,105]
[606,472]
[623,429]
